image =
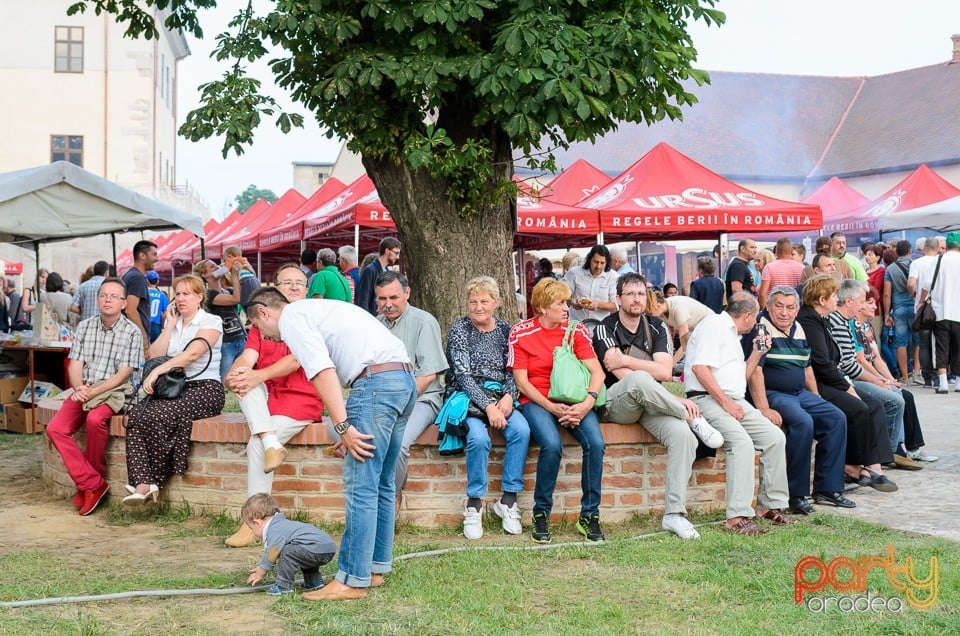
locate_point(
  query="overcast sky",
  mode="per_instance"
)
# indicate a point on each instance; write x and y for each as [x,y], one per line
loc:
[807,37]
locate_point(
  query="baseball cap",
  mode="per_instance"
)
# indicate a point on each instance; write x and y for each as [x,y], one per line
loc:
[153,277]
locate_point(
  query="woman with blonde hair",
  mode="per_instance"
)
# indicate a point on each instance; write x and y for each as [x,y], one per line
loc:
[477,354]
[158,430]
[532,342]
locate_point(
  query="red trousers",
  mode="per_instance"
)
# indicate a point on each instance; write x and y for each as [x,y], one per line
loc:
[88,467]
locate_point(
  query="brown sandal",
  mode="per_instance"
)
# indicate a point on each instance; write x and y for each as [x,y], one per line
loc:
[747,527]
[777,517]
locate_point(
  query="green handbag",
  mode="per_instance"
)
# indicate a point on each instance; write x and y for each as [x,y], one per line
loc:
[570,377]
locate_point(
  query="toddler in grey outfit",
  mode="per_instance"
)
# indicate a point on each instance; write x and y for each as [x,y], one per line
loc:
[288,545]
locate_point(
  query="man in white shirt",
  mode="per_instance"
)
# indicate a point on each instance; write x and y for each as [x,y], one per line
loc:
[715,377]
[945,296]
[340,345]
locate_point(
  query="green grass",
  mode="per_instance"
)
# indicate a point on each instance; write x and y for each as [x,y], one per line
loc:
[723,584]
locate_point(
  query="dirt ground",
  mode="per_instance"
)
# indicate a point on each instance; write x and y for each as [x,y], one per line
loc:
[35,519]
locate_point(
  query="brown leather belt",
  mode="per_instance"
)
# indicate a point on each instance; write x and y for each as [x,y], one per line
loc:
[383,367]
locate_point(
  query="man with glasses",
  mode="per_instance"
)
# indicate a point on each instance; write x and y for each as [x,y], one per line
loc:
[342,346]
[276,398]
[632,347]
[106,350]
[389,254]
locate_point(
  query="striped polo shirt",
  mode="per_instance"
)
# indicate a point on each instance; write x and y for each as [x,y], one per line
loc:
[785,363]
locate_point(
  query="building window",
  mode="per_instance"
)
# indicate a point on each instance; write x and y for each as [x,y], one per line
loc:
[69,49]
[67,148]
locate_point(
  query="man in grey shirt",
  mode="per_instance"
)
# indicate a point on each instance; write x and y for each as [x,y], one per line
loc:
[420,333]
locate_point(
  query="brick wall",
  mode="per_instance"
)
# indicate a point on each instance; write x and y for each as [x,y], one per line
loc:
[309,479]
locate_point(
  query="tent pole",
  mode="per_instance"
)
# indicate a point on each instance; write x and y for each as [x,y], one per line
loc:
[113,247]
[203,249]
[259,266]
[36,280]
[523,280]
[599,238]
[356,240]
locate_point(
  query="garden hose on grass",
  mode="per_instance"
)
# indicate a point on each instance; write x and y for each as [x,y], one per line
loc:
[259,588]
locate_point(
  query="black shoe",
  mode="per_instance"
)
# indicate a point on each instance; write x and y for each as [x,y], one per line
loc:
[880,482]
[833,499]
[589,527]
[541,527]
[801,505]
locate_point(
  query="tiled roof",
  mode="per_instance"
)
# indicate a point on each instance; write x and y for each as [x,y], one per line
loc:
[788,128]
[900,120]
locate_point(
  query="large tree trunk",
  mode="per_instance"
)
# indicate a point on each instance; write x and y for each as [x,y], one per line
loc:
[441,249]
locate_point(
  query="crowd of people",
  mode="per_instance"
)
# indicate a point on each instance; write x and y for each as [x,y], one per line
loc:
[770,357]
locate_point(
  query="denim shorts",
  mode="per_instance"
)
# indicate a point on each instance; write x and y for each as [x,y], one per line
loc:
[903,334]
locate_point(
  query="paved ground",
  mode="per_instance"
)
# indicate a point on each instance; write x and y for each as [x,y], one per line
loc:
[928,499]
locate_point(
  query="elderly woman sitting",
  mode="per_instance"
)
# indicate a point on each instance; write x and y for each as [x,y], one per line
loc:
[867,446]
[477,353]
[158,432]
[532,342]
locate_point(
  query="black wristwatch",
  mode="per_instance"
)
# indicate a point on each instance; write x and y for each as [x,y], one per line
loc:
[342,427]
[594,395]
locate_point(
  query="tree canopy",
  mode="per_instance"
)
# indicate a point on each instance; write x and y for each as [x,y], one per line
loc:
[441,97]
[249,196]
[424,81]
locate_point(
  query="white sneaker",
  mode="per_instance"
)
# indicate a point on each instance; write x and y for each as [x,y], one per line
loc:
[680,526]
[472,524]
[919,456]
[707,434]
[510,517]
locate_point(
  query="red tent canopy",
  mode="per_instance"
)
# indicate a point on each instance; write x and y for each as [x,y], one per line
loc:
[921,187]
[835,198]
[341,211]
[581,180]
[291,230]
[214,244]
[273,216]
[542,223]
[669,195]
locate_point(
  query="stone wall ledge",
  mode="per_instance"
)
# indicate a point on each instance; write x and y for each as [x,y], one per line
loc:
[310,479]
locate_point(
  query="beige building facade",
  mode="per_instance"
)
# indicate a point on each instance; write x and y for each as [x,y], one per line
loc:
[76,90]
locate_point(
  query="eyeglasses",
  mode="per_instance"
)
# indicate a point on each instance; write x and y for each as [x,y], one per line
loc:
[110,297]
[291,283]
[396,252]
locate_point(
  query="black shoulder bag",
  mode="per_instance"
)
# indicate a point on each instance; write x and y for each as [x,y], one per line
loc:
[926,317]
[170,385]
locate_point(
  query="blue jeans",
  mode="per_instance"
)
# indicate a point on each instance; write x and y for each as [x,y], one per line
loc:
[893,406]
[807,417]
[378,405]
[517,434]
[546,432]
[229,352]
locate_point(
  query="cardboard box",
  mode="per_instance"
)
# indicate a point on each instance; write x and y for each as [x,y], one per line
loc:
[19,419]
[11,387]
[42,390]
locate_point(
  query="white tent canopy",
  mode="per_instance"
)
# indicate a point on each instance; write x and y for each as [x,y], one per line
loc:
[943,216]
[62,201]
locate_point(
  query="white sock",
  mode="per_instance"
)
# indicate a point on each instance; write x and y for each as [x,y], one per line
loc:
[270,441]
[943,381]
